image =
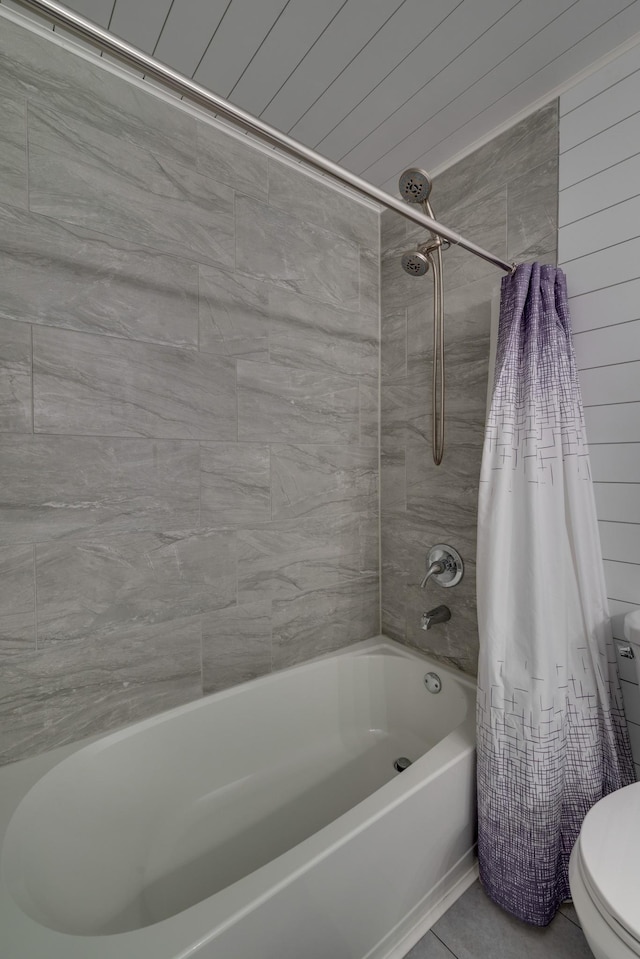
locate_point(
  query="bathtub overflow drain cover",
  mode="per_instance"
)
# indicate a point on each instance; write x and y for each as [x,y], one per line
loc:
[433,682]
[401,764]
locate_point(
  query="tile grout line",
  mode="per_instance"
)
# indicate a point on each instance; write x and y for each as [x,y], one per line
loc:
[33,390]
[379,424]
[35,594]
[443,943]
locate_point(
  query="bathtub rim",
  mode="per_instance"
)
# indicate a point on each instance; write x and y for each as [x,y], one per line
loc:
[204,920]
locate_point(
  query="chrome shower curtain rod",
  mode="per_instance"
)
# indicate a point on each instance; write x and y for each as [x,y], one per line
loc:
[197,94]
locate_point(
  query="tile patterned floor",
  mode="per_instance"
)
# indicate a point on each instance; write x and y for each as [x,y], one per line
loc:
[475,928]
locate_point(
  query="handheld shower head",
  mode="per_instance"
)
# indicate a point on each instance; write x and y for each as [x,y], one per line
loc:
[415,185]
[415,263]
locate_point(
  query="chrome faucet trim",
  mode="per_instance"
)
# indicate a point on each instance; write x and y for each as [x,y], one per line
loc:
[434,570]
[440,614]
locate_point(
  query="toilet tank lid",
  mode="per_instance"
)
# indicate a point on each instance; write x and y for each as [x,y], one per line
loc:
[632,626]
[610,853]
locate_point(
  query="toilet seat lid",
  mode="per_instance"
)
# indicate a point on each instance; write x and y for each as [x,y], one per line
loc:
[610,855]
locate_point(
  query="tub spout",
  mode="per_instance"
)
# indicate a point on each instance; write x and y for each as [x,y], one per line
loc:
[441,614]
[437,567]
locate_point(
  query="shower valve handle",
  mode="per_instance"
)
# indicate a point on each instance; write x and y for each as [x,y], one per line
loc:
[444,565]
[436,569]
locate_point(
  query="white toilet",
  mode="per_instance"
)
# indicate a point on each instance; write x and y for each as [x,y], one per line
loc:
[604,871]
[604,874]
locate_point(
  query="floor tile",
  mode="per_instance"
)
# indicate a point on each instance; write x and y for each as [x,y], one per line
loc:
[569,910]
[475,928]
[429,947]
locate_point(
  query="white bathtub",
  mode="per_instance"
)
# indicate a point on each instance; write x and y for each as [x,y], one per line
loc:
[264,822]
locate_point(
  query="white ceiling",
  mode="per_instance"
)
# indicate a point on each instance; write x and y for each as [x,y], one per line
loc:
[376,85]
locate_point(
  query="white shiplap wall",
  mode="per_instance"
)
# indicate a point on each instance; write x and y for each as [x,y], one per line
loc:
[599,249]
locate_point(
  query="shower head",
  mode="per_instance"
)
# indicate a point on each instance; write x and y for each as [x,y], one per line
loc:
[415,263]
[415,185]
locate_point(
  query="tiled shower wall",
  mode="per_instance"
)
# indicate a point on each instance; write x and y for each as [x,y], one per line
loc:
[188,404]
[504,197]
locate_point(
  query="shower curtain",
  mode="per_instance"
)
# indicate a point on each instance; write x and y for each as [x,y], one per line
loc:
[552,738]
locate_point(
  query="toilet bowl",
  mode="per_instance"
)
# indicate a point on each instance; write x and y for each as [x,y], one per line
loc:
[604,875]
[604,869]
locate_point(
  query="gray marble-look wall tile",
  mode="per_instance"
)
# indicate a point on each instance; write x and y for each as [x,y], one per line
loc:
[13,151]
[397,287]
[463,426]
[236,645]
[393,480]
[232,161]
[296,255]
[480,219]
[324,619]
[396,528]
[369,407]
[131,202]
[82,176]
[34,67]
[303,196]
[370,281]
[60,275]
[466,393]
[393,232]
[467,334]
[550,257]
[281,405]
[419,325]
[103,385]
[233,314]
[446,495]
[392,590]
[281,560]
[235,484]
[532,212]
[467,316]
[406,540]
[393,345]
[395,397]
[17,599]
[454,643]
[53,486]
[409,401]
[15,378]
[369,534]
[97,586]
[405,406]
[519,148]
[319,479]
[320,336]
[64,692]
[441,505]
[407,537]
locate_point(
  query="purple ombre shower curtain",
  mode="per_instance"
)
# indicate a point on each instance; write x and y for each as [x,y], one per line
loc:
[552,738]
